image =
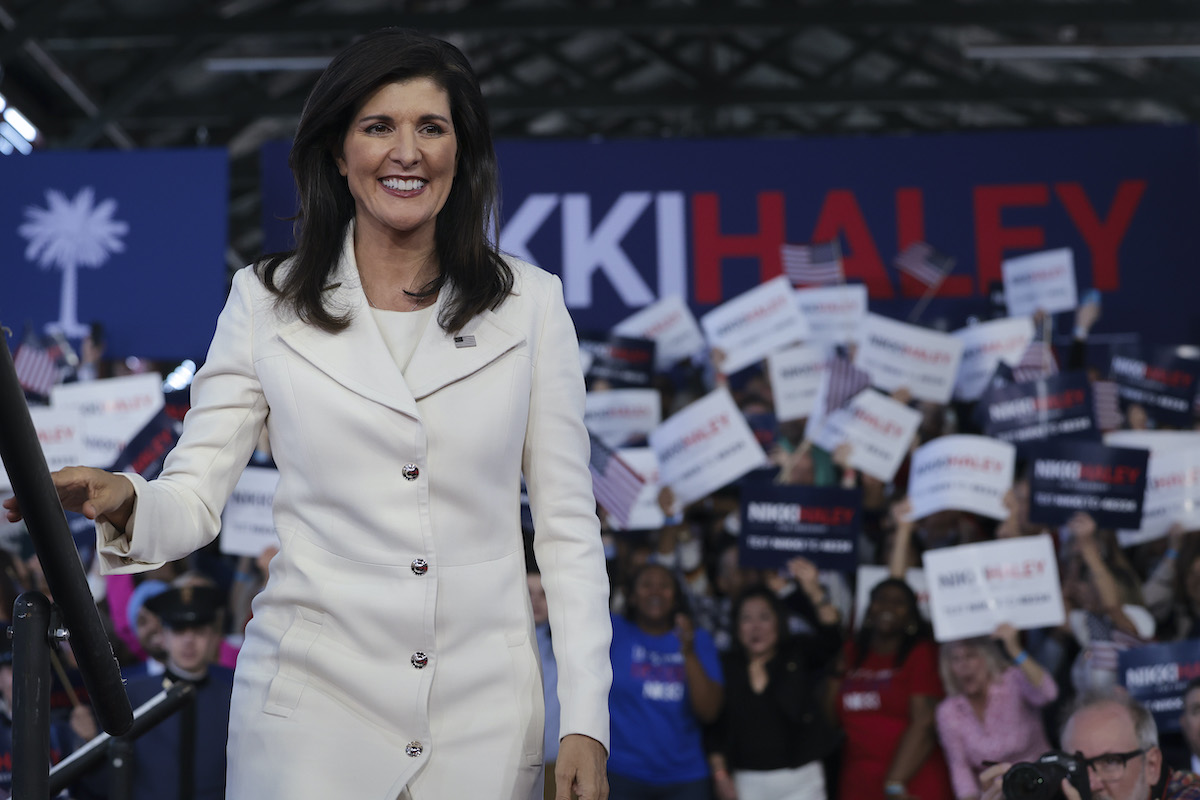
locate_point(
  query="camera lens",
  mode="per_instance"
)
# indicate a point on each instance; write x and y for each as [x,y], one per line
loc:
[1026,782]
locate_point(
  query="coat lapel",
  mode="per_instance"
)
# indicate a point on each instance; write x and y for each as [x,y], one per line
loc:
[357,357]
[442,358]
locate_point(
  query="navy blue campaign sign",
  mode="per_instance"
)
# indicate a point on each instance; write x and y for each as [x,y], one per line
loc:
[627,222]
[1060,406]
[622,361]
[1156,676]
[1107,482]
[135,240]
[1160,381]
[780,523]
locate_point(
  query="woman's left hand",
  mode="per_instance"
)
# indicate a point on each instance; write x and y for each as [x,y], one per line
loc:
[580,769]
[685,631]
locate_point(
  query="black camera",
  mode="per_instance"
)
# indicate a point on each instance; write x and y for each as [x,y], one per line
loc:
[1042,779]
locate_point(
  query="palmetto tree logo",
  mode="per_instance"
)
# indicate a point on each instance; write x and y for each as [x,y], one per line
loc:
[69,234]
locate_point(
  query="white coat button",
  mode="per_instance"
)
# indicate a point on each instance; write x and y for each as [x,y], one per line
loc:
[419,660]
[410,472]
[413,749]
[420,566]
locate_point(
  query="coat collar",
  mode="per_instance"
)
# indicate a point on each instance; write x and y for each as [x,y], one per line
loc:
[358,357]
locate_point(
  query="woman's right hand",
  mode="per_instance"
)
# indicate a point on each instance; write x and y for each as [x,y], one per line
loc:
[95,493]
[723,783]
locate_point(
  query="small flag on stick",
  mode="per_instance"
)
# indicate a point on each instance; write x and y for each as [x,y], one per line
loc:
[614,483]
[923,262]
[36,368]
[818,264]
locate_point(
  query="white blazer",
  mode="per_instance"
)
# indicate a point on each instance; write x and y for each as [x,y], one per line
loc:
[392,646]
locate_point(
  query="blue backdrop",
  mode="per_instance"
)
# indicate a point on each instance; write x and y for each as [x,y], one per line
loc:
[625,222]
[141,235]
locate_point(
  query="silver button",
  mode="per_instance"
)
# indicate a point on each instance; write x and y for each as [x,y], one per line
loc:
[413,749]
[420,566]
[410,472]
[419,660]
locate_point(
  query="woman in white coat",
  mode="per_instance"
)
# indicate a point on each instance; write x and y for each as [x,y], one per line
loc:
[407,376]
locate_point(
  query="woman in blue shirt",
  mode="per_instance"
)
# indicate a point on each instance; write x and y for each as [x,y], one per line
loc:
[666,684]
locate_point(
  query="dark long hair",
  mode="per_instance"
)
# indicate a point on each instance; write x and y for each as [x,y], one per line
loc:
[469,262]
[915,632]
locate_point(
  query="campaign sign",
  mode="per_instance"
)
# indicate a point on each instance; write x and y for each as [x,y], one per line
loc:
[795,375]
[671,325]
[645,514]
[973,588]
[146,452]
[247,524]
[1156,676]
[1044,281]
[755,323]
[114,410]
[833,313]
[705,446]
[1048,408]
[985,346]
[878,429]
[620,415]
[620,361]
[963,472]
[898,355]
[1164,384]
[780,523]
[60,433]
[1154,441]
[871,575]
[1172,496]
[1107,482]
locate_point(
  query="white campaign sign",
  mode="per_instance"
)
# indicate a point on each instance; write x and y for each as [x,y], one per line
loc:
[833,313]
[973,588]
[705,446]
[984,346]
[1172,496]
[670,324]
[60,432]
[114,410]
[898,355]
[617,415]
[871,575]
[1154,441]
[879,431]
[1044,280]
[247,525]
[963,472]
[795,375]
[646,514]
[755,323]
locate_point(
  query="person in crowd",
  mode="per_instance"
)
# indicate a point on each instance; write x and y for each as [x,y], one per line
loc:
[541,622]
[408,375]
[886,699]
[1189,727]
[148,629]
[190,636]
[1172,590]
[1118,740]
[992,710]
[667,684]
[1104,596]
[773,732]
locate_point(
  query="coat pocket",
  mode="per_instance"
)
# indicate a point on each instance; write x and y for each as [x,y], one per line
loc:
[283,695]
[527,683]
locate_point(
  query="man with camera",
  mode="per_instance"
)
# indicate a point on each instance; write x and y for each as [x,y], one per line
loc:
[1110,745]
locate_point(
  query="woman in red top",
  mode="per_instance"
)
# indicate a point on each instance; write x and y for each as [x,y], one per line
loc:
[886,700]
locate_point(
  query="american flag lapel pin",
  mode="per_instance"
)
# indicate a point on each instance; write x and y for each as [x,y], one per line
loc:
[464,341]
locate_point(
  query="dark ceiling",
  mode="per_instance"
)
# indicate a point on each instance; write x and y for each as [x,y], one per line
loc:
[180,73]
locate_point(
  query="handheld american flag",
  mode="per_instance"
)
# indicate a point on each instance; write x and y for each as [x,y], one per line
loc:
[1036,362]
[845,381]
[36,368]
[1108,405]
[817,264]
[614,483]
[924,263]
